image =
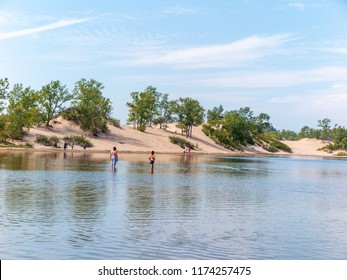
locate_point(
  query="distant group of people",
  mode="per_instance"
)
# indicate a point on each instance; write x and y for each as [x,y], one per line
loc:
[84,146]
[114,160]
[114,157]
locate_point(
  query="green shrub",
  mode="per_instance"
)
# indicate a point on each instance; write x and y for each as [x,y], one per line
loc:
[114,122]
[235,146]
[270,149]
[70,114]
[181,142]
[208,130]
[329,148]
[78,140]
[281,146]
[275,144]
[47,141]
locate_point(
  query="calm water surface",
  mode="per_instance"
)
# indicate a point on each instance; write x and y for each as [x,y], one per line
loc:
[199,207]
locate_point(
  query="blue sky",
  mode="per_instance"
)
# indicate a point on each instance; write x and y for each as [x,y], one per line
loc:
[284,58]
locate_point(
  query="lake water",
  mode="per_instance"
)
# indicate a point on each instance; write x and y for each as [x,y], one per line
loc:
[56,206]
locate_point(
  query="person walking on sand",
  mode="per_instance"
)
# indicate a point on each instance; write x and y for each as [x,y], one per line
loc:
[151,162]
[113,158]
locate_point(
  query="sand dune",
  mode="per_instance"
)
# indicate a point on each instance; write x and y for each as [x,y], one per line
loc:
[127,140]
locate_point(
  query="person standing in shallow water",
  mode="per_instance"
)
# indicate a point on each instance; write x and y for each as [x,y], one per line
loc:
[151,162]
[114,158]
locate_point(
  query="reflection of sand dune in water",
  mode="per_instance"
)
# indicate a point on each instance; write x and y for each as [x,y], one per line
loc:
[128,139]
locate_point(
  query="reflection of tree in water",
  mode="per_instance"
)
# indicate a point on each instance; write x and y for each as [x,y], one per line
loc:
[185,164]
[26,161]
[30,205]
[161,214]
[30,214]
[187,199]
[140,206]
[86,201]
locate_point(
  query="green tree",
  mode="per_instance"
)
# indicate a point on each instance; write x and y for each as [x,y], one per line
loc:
[246,113]
[305,132]
[22,111]
[3,128]
[4,87]
[326,130]
[308,132]
[92,110]
[238,127]
[215,115]
[231,129]
[339,137]
[287,135]
[262,123]
[144,107]
[165,110]
[190,113]
[52,98]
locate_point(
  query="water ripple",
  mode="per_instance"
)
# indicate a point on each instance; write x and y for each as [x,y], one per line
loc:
[205,208]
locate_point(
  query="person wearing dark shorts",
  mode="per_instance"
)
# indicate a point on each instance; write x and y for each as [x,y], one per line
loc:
[151,162]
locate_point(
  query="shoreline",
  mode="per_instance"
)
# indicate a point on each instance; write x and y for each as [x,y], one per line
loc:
[131,141]
[193,153]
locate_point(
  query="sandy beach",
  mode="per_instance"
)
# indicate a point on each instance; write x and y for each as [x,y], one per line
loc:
[129,140]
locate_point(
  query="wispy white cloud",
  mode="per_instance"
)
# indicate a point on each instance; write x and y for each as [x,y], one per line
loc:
[17,19]
[342,50]
[255,83]
[297,5]
[42,28]
[278,79]
[220,55]
[330,103]
[310,106]
[335,47]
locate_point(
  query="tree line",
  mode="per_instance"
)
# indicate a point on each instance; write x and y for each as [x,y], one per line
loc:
[152,107]
[23,107]
[237,128]
[336,135]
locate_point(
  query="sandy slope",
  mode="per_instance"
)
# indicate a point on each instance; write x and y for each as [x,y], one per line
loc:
[307,147]
[127,139]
